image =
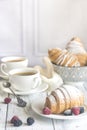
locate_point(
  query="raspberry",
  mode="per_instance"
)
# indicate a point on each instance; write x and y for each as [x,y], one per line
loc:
[17,122]
[46,111]
[7,100]
[75,110]
[14,118]
[30,121]
[67,112]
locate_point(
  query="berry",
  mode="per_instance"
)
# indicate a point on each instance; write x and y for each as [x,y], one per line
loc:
[67,112]
[46,111]
[21,102]
[7,100]
[30,120]
[17,122]
[14,118]
[81,109]
[75,110]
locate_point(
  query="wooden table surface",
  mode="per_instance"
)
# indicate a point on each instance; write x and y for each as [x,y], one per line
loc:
[41,123]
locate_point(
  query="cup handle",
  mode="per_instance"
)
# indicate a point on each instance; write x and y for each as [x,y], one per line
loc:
[37,82]
[3,67]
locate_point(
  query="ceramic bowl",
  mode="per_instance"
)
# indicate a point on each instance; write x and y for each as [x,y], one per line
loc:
[71,74]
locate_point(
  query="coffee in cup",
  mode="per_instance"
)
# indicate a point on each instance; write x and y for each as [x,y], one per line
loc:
[24,79]
[12,62]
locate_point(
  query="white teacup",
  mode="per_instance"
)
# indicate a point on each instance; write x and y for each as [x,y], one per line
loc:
[24,79]
[12,62]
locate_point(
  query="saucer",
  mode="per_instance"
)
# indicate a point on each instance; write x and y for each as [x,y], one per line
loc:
[41,88]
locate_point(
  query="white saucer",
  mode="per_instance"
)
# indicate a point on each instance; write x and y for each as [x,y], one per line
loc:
[38,106]
[41,88]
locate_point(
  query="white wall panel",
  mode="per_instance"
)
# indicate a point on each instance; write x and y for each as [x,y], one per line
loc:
[11,27]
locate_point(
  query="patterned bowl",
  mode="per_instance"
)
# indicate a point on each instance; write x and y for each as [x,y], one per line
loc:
[71,74]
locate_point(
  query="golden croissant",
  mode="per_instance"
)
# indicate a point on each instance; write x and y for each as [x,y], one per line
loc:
[64,98]
[63,57]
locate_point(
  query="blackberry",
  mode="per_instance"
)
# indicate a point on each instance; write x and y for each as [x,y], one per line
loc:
[17,123]
[81,109]
[30,121]
[21,102]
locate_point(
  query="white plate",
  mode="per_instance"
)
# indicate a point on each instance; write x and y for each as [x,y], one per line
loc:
[41,88]
[39,105]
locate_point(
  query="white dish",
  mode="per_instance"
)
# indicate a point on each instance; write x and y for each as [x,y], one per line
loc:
[41,88]
[39,105]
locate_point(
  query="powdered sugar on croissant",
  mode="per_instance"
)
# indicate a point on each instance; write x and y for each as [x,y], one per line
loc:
[75,46]
[63,57]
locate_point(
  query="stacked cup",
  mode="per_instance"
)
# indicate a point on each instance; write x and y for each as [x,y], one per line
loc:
[22,77]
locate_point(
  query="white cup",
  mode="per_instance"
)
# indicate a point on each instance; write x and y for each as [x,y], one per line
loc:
[12,62]
[24,79]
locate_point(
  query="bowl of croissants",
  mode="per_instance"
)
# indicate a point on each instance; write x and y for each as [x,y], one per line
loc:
[70,63]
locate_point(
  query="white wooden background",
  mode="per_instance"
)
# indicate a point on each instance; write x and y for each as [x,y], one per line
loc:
[30,27]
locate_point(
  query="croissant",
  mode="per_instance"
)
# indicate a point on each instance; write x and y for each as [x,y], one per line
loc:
[64,98]
[76,47]
[82,58]
[54,54]
[63,57]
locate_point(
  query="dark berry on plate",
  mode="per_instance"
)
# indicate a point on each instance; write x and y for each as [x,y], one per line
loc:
[46,111]
[75,110]
[14,118]
[67,112]
[81,109]
[7,100]
[17,123]
[30,120]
